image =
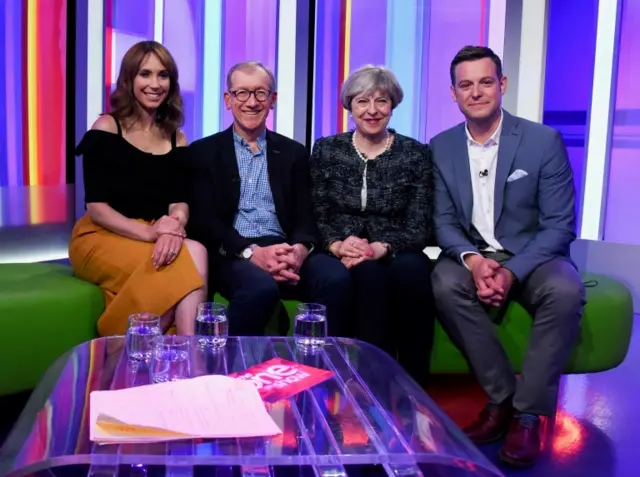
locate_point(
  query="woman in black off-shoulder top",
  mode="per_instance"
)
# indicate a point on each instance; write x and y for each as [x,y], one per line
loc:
[132,241]
[373,197]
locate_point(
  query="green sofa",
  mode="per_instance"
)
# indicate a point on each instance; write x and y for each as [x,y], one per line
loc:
[45,311]
[603,342]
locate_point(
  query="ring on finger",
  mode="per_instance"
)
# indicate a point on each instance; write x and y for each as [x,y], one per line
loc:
[172,252]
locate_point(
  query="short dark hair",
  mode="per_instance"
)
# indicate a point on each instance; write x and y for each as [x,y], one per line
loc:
[474,53]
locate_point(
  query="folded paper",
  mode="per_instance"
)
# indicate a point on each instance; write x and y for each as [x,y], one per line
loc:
[204,407]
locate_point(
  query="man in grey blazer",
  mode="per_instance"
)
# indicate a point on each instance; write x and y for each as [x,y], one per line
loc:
[505,219]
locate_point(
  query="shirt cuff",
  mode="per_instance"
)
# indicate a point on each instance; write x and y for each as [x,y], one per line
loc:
[464,254]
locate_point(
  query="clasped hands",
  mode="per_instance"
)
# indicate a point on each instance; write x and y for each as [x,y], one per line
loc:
[354,250]
[168,235]
[282,261]
[493,281]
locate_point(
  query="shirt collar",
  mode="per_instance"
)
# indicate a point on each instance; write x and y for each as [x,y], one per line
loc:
[494,139]
[262,139]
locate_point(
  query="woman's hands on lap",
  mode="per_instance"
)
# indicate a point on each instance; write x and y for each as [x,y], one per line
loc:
[377,251]
[354,250]
[168,235]
[165,225]
[166,250]
[354,247]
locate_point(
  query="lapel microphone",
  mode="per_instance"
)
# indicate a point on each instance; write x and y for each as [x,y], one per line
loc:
[484,173]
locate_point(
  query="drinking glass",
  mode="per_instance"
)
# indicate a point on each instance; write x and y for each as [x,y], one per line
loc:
[170,360]
[310,329]
[212,326]
[143,328]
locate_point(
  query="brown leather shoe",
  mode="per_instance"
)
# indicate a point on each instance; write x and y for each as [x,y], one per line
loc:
[522,446]
[492,423]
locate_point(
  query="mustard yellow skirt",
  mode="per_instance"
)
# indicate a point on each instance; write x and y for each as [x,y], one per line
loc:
[123,269]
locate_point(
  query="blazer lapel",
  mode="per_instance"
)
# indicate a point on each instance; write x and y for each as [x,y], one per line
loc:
[463,174]
[229,166]
[276,174]
[509,142]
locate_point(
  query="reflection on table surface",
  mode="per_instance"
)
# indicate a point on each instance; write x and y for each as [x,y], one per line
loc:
[369,418]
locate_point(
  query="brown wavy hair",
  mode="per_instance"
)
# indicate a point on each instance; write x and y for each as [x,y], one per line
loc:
[124,105]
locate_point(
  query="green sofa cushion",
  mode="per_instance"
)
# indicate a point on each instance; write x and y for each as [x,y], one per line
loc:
[603,342]
[47,311]
[605,332]
[44,312]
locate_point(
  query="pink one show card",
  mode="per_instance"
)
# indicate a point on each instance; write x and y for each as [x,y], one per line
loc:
[279,378]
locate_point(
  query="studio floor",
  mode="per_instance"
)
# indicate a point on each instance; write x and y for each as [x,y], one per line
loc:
[597,427]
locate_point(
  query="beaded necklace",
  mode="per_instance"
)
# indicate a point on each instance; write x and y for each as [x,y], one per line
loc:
[363,192]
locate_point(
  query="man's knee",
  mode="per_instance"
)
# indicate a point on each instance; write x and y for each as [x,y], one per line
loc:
[245,282]
[262,289]
[449,278]
[564,290]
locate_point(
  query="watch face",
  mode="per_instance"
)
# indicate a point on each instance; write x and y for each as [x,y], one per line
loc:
[247,252]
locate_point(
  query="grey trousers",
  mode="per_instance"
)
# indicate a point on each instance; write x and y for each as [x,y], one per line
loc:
[553,294]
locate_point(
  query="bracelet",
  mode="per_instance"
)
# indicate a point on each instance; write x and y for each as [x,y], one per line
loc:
[329,246]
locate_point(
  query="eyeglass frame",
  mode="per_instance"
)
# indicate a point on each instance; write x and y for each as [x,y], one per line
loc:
[251,92]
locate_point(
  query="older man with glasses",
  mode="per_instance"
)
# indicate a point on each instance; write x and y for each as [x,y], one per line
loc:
[251,207]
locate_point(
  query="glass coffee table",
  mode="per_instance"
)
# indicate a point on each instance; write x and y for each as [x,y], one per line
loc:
[369,419]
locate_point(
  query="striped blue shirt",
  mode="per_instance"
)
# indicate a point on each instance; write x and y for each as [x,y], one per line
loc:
[256,216]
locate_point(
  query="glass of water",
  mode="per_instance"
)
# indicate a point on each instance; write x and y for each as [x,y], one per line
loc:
[310,329]
[143,328]
[170,360]
[212,326]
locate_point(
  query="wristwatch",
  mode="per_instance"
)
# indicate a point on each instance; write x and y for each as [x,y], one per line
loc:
[309,246]
[247,253]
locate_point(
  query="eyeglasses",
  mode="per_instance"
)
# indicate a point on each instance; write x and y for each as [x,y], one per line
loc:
[244,94]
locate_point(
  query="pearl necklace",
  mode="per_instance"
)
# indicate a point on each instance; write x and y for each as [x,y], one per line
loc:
[387,143]
[363,191]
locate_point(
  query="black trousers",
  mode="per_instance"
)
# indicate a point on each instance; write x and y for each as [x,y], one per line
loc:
[395,309]
[253,294]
